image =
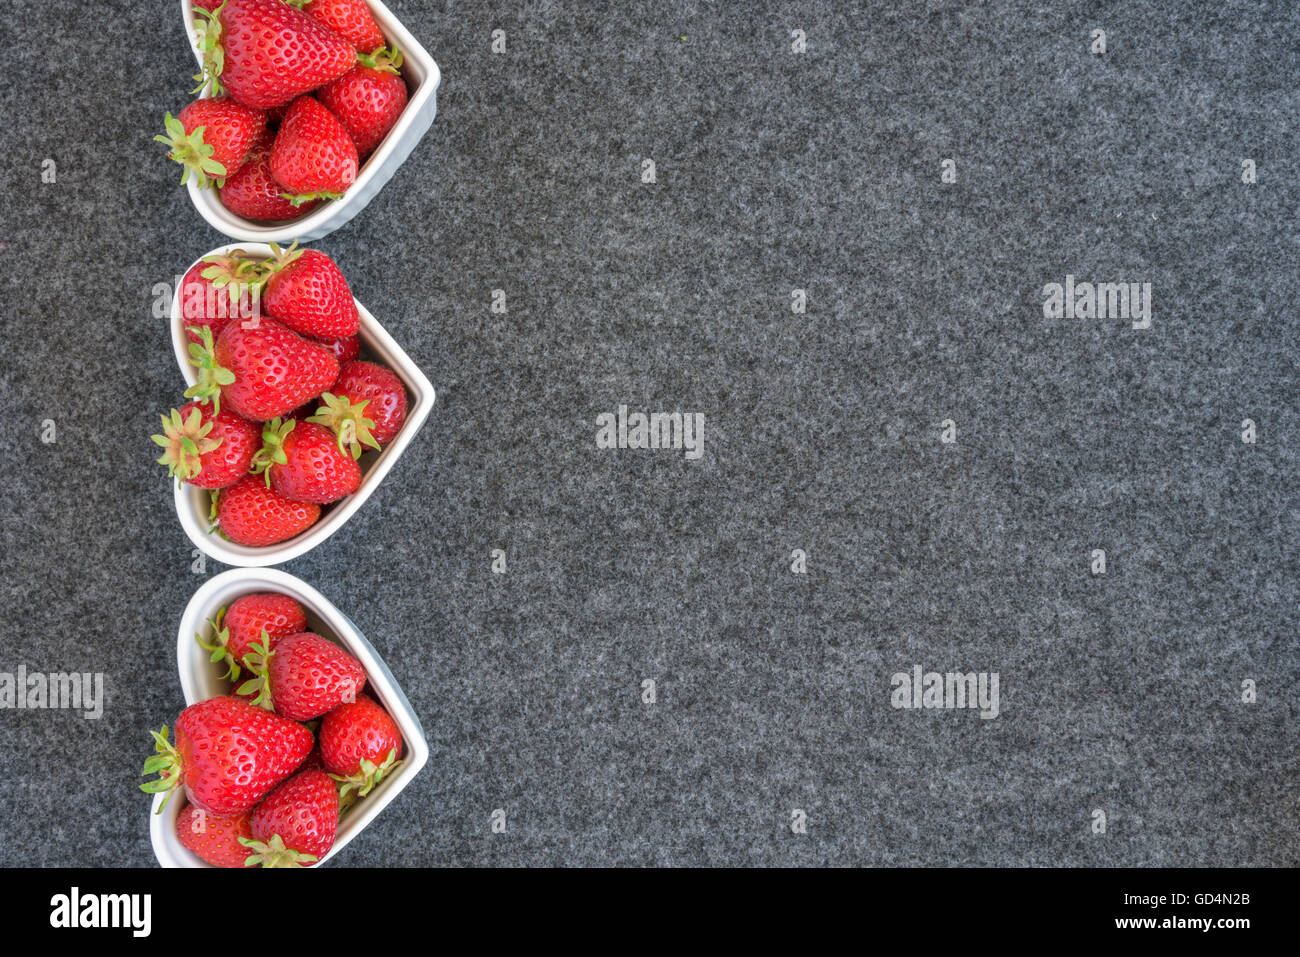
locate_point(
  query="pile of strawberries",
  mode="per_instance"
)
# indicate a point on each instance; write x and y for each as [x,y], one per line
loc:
[284,404]
[263,789]
[302,91]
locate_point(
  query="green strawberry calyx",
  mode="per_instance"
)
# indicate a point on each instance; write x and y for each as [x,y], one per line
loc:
[211,376]
[194,155]
[273,853]
[166,763]
[297,199]
[389,61]
[207,25]
[184,442]
[349,422]
[213,515]
[281,259]
[219,647]
[371,774]
[236,273]
[258,662]
[272,451]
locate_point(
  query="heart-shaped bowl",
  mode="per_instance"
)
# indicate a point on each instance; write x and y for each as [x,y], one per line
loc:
[422,78]
[193,505]
[201,679]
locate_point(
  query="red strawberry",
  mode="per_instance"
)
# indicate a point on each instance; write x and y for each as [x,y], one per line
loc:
[212,137]
[313,156]
[361,744]
[253,194]
[368,99]
[265,52]
[351,19]
[205,448]
[381,391]
[206,4]
[215,837]
[249,513]
[305,462]
[310,676]
[250,619]
[307,292]
[219,288]
[345,348]
[261,368]
[227,755]
[297,823]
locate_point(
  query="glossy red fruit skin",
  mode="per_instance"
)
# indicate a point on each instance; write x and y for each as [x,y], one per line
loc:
[317,470]
[359,731]
[203,304]
[345,348]
[367,102]
[275,52]
[232,753]
[249,615]
[253,194]
[313,151]
[229,128]
[351,19]
[206,4]
[276,370]
[311,297]
[383,392]
[229,461]
[311,676]
[251,514]
[304,811]
[214,837]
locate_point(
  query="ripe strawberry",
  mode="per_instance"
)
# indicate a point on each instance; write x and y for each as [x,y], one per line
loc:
[206,4]
[219,288]
[351,19]
[304,461]
[345,348]
[309,676]
[205,448]
[253,194]
[381,391]
[261,616]
[249,513]
[306,291]
[313,156]
[360,744]
[215,837]
[265,52]
[297,823]
[211,138]
[368,99]
[227,755]
[261,368]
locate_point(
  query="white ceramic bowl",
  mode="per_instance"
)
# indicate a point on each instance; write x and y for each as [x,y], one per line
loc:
[193,505]
[200,680]
[422,79]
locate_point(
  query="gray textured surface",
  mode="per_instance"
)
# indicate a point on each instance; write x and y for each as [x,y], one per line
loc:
[776,171]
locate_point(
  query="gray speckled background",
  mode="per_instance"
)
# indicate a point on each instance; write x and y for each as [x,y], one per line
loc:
[775,171]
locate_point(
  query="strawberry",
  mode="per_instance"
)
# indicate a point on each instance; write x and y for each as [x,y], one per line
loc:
[360,744]
[351,19]
[206,4]
[313,156]
[307,292]
[261,368]
[379,389]
[305,676]
[207,448]
[253,194]
[211,138]
[249,513]
[368,99]
[265,52]
[227,755]
[219,288]
[215,837]
[305,462]
[259,617]
[297,823]
[345,348]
